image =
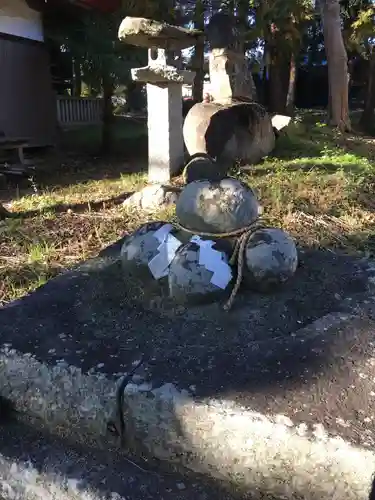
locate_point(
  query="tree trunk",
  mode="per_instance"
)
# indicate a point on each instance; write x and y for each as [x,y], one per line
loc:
[77,77]
[107,87]
[367,121]
[242,26]
[264,97]
[198,57]
[278,77]
[337,60]
[276,94]
[291,86]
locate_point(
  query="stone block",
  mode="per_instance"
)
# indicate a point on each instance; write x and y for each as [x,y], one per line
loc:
[229,132]
[144,32]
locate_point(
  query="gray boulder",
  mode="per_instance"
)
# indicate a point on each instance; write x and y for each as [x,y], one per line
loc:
[271,259]
[199,273]
[144,253]
[229,132]
[217,206]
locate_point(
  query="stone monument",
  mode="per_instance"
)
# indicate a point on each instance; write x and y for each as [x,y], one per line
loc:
[230,75]
[233,126]
[164,80]
[216,244]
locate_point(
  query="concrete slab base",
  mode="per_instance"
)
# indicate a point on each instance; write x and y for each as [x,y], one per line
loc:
[276,398]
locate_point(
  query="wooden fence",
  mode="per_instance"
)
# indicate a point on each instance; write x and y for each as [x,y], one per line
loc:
[78,111]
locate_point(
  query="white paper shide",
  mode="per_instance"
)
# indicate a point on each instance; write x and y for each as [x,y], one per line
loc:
[213,261]
[169,244]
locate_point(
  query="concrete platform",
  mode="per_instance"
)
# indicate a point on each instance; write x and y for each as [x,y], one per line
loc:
[275,397]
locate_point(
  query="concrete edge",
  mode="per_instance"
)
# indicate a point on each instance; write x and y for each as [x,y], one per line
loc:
[268,454]
[64,397]
[37,466]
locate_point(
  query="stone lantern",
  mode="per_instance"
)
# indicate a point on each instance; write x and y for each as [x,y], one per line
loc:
[164,80]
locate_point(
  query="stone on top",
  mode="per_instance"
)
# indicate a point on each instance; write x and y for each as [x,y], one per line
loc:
[162,75]
[144,32]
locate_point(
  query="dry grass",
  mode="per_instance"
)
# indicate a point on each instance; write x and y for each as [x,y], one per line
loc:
[318,185]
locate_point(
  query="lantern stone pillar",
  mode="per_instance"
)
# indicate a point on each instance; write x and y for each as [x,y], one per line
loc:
[164,82]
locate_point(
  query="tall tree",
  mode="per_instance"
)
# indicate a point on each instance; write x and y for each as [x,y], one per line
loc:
[367,120]
[100,60]
[363,36]
[77,77]
[337,60]
[281,24]
[198,56]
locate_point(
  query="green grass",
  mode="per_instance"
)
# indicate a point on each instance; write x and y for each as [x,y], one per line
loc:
[319,185]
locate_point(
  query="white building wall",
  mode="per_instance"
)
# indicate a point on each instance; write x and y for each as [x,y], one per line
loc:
[16,18]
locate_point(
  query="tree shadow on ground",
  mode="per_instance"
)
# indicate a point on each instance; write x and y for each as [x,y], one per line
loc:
[308,142]
[363,193]
[77,159]
[71,173]
[126,134]
[26,278]
[77,207]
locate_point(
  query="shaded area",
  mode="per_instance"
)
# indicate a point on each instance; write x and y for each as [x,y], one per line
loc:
[27,277]
[77,159]
[128,133]
[256,357]
[101,473]
[90,315]
[76,207]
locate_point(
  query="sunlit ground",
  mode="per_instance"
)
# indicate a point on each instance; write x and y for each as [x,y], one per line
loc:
[319,185]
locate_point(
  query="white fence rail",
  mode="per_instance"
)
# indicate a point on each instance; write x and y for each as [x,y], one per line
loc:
[77,111]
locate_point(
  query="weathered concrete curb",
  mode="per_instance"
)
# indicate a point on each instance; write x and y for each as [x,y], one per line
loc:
[267,454]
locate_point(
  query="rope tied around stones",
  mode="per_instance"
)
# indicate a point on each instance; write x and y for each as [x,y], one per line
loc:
[238,254]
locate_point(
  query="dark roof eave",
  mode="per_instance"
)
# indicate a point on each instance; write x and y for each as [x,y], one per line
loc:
[41,5]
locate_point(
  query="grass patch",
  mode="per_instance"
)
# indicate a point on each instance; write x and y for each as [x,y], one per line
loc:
[89,137]
[318,184]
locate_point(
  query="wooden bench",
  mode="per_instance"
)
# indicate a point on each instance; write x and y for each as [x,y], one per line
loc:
[13,161]
[9,145]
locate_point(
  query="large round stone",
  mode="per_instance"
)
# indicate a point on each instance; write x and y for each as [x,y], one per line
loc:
[271,258]
[217,206]
[141,247]
[229,131]
[191,282]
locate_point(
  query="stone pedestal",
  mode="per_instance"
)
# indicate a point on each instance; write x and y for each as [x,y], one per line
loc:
[164,114]
[165,140]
